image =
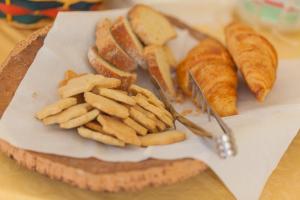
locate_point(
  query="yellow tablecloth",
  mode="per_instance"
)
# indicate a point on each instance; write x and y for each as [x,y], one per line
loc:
[17,183]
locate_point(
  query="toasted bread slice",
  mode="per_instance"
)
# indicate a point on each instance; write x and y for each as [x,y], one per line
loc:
[108,70]
[150,25]
[158,66]
[109,49]
[125,37]
[170,57]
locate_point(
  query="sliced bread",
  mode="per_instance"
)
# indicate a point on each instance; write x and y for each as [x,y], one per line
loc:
[108,70]
[159,67]
[150,25]
[109,49]
[170,56]
[124,36]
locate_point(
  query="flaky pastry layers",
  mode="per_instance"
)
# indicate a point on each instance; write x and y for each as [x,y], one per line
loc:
[215,72]
[254,56]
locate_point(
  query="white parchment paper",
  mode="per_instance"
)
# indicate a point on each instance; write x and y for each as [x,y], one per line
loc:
[263,131]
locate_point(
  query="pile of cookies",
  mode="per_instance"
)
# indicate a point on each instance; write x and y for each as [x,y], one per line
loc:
[100,111]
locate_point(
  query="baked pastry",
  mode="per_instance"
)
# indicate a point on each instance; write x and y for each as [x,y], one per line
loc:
[110,50]
[158,66]
[124,36]
[254,56]
[108,70]
[215,72]
[150,25]
[207,51]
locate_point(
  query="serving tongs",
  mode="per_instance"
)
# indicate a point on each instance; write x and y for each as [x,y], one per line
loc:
[224,142]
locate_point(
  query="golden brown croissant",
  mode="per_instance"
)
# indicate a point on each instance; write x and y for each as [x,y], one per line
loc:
[255,57]
[215,72]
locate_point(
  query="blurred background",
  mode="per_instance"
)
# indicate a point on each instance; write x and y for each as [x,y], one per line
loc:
[279,20]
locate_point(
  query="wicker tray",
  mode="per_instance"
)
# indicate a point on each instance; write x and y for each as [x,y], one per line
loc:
[87,173]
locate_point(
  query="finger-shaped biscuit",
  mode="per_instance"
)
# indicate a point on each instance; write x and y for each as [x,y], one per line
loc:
[68,114]
[85,83]
[159,124]
[97,89]
[99,137]
[106,105]
[164,110]
[56,107]
[106,82]
[136,126]
[151,97]
[154,109]
[77,85]
[120,130]
[142,119]
[117,96]
[95,126]
[167,137]
[79,121]
[109,83]
[69,74]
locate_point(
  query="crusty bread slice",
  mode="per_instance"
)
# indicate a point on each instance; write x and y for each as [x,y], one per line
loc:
[159,67]
[124,36]
[108,70]
[150,25]
[170,56]
[109,49]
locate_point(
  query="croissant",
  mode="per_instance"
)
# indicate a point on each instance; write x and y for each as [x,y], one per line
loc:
[215,73]
[254,56]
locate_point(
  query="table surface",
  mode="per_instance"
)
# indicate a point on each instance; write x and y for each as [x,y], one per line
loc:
[19,183]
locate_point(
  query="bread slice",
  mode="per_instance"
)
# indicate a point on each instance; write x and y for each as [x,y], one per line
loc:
[108,70]
[150,25]
[170,57]
[159,67]
[109,49]
[124,36]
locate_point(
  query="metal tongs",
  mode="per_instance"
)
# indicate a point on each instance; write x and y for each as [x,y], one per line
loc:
[224,142]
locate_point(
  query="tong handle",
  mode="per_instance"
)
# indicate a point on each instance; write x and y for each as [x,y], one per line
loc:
[193,127]
[222,124]
[186,122]
[209,109]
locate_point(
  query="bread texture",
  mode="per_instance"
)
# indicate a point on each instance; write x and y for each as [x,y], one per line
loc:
[150,25]
[128,41]
[170,56]
[254,56]
[110,50]
[108,70]
[159,67]
[215,73]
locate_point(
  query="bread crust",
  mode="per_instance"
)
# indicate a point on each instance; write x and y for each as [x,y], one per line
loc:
[158,36]
[125,37]
[109,50]
[104,68]
[150,53]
